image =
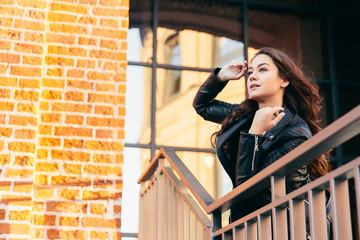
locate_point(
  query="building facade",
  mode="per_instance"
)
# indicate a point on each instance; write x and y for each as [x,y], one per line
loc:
[62,85]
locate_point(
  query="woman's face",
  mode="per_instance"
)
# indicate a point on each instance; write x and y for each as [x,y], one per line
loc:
[264,84]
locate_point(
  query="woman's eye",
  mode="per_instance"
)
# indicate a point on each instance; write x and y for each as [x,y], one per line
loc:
[250,73]
[262,69]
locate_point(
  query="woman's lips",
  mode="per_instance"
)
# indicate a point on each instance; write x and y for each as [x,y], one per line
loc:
[253,86]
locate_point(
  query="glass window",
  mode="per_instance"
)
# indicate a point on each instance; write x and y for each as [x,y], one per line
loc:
[140,33]
[297,35]
[326,114]
[314,3]
[138,105]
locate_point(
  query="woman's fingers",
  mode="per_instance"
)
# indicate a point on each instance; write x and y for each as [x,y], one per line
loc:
[278,118]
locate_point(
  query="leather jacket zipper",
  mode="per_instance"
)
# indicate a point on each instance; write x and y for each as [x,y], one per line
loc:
[256,148]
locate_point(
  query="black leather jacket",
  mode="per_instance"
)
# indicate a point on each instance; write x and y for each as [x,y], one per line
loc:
[242,154]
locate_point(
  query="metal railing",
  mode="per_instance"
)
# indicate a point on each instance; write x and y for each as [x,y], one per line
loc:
[174,205]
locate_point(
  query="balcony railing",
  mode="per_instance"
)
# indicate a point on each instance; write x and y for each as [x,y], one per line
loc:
[174,205]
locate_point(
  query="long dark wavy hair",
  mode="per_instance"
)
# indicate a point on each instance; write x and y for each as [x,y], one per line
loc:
[301,96]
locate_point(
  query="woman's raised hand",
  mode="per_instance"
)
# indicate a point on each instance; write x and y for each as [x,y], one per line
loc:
[266,118]
[233,71]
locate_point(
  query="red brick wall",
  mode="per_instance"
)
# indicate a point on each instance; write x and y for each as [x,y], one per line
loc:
[62,95]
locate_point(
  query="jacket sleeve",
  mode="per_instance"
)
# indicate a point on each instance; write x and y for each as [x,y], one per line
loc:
[206,105]
[252,159]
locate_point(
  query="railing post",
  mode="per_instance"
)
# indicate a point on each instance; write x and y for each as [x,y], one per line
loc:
[216,221]
[278,190]
[160,200]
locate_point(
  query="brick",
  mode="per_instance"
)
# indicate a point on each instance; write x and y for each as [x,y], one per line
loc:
[29,83]
[34,37]
[28,48]
[105,98]
[99,11]
[9,58]
[88,20]
[22,147]
[105,122]
[26,95]
[60,38]
[9,82]
[5,45]
[3,68]
[2,214]
[33,3]
[25,71]
[66,207]
[37,206]
[6,106]
[102,170]
[70,155]
[117,209]
[5,159]
[51,95]
[104,110]
[98,209]
[111,65]
[30,25]
[36,14]
[49,142]
[54,83]
[87,41]
[79,84]
[105,87]
[73,131]
[23,187]
[54,72]
[7,2]
[61,17]
[106,54]
[51,118]
[74,51]
[5,132]
[93,75]
[42,153]
[125,24]
[32,60]
[70,107]
[16,200]
[41,179]
[120,77]
[5,93]
[67,28]
[75,73]
[60,61]
[24,161]
[85,63]
[70,181]
[99,222]
[47,167]
[69,221]
[125,3]
[26,107]
[114,23]
[19,173]
[103,158]
[38,233]
[14,228]
[119,158]
[43,220]
[2,144]
[25,134]
[106,146]
[10,34]
[99,235]
[121,134]
[5,186]
[100,133]
[19,215]
[22,120]
[45,129]
[74,119]
[72,168]
[121,111]
[44,193]
[69,8]
[11,11]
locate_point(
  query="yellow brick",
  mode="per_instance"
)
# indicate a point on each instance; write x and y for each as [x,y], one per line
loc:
[25,134]
[51,95]
[44,105]
[73,143]
[5,132]
[22,120]
[42,153]
[43,219]
[72,168]
[21,147]
[49,142]
[99,235]
[47,193]
[102,170]
[70,155]
[6,106]
[16,200]
[69,193]
[24,161]
[103,158]
[69,8]
[19,173]
[69,221]
[19,215]
[26,107]
[66,207]
[41,179]
[23,187]
[26,95]
[98,209]
[47,167]
[96,195]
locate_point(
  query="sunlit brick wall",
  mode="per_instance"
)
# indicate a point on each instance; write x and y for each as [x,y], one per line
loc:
[62,93]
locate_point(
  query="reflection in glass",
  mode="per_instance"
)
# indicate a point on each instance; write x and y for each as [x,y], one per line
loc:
[297,35]
[138,105]
[177,123]
[314,3]
[140,34]
[208,171]
[326,114]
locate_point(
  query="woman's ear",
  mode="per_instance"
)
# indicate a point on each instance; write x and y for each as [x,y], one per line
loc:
[284,83]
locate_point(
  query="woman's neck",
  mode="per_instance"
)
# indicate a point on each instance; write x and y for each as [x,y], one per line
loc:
[277,103]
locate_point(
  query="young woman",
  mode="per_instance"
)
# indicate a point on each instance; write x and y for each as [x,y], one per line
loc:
[280,114]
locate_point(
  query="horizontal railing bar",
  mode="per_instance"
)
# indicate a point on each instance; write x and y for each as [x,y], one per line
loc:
[149,171]
[335,134]
[190,181]
[321,183]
